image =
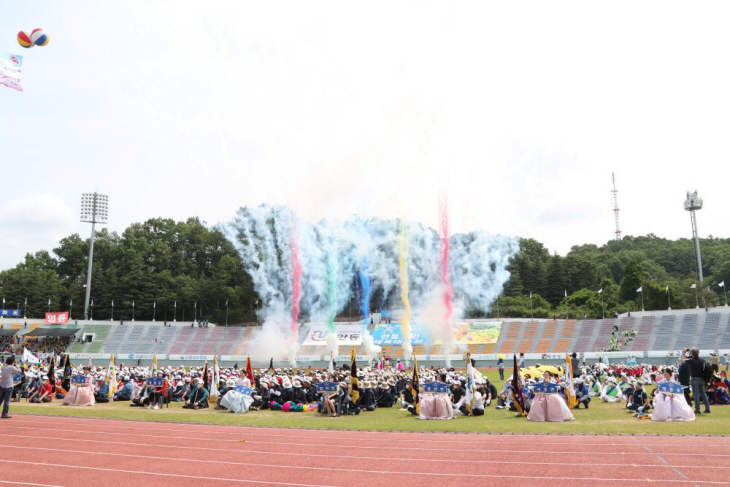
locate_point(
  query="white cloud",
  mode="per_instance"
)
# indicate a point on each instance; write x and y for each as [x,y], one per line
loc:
[32,222]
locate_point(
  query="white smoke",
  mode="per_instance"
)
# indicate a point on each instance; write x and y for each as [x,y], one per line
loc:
[371,349]
[477,266]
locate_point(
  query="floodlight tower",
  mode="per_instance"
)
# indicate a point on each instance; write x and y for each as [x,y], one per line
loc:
[692,203]
[617,233]
[94,209]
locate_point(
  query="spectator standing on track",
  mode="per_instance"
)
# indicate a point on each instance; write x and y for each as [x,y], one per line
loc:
[696,369]
[6,384]
[500,367]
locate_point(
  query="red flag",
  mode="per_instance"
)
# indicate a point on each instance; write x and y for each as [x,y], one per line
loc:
[249,371]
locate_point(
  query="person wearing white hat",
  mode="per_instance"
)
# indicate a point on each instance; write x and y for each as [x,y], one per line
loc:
[611,393]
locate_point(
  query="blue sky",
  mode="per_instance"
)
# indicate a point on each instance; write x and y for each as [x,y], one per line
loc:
[520,112]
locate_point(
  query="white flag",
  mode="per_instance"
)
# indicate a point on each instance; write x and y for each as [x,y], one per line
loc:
[600,291]
[470,386]
[112,303]
[49,301]
[154,304]
[640,290]
[29,357]
[722,284]
[132,304]
[667,289]
[693,286]
[566,293]
[530,294]
[176,304]
[226,302]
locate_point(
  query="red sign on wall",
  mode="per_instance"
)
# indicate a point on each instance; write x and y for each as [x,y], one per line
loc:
[57,318]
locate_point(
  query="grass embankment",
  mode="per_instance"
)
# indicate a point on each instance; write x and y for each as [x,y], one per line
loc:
[600,418]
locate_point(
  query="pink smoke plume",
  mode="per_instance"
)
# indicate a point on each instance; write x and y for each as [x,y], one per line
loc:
[445,278]
[296,273]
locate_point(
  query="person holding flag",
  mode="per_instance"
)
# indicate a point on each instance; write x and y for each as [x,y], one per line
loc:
[111,378]
[570,396]
[249,373]
[354,387]
[472,403]
[518,395]
[213,390]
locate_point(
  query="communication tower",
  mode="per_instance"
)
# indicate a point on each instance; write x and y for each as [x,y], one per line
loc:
[617,233]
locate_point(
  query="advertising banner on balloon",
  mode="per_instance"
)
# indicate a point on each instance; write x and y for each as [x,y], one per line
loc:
[10,69]
[346,335]
[393,335]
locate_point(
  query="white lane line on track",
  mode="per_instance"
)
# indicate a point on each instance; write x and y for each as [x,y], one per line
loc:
[423,435]
[267,434]
[329,456]
[348,445]
[138,472]
[28,483]
[479,462]
[351,446]
[675,468]
[380,472]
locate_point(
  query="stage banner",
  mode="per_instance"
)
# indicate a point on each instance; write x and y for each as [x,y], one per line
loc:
[11,313]
[10,68]
[478,332]
[392,335]
[346,335]
[57,318]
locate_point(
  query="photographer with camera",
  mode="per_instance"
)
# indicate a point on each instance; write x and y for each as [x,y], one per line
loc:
[683,374]
[6,384]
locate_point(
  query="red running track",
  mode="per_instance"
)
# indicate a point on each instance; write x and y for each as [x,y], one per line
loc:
[76,452]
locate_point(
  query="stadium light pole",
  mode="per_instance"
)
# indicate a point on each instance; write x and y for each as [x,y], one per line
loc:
[94,209]
[692,204]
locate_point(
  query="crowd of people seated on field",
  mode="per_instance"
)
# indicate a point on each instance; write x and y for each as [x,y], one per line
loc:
[381,386]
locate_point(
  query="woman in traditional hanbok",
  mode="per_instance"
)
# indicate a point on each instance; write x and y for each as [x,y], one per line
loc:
[435,406]
[671,407]
[81,394]
[549,407]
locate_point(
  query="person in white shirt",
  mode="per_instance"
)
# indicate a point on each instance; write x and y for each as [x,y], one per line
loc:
[9,371]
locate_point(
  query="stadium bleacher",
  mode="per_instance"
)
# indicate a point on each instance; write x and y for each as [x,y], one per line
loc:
[642,332]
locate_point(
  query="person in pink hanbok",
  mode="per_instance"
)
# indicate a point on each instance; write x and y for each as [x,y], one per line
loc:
[549,407]
[81,394]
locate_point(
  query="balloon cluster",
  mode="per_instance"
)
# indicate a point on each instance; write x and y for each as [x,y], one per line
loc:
[37,37]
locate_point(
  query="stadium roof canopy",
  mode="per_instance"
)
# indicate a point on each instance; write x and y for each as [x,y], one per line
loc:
[8,332]
[52,332]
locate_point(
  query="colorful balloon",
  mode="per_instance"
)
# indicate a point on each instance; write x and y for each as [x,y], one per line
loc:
[24,40]
[39,37]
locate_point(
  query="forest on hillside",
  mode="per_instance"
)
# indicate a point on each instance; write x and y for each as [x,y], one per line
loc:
[185,270]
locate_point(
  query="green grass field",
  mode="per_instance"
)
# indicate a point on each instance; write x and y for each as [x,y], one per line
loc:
[599,419]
